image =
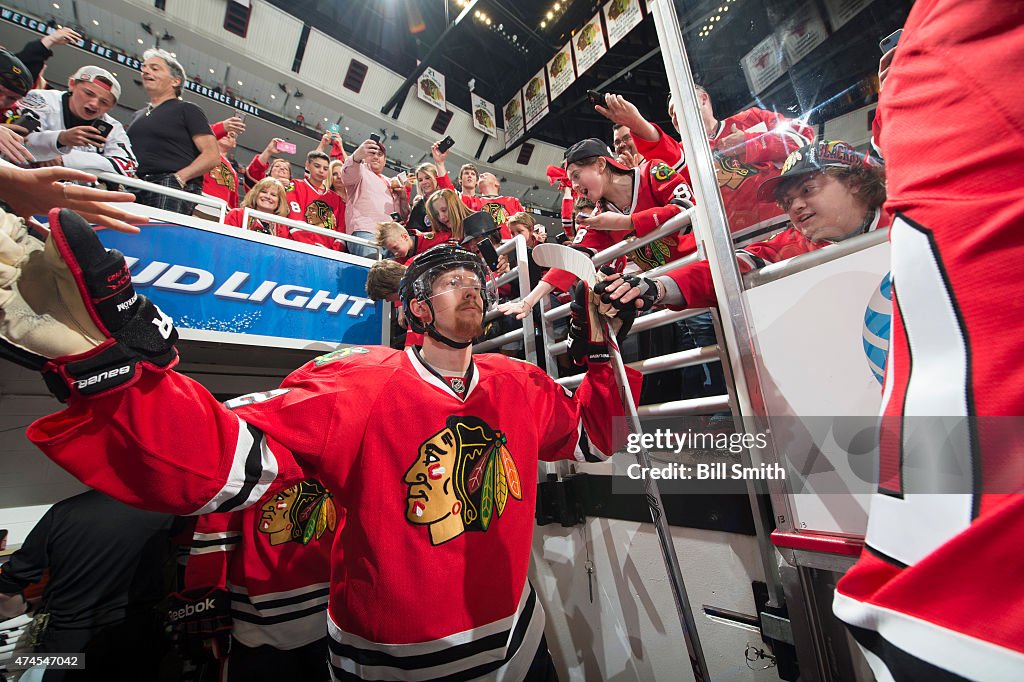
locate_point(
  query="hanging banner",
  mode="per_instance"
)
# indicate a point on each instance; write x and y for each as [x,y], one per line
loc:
[841,11]
[535,98]
[621,17]
[430,88]
[561,73]
[514,121]
[483,115]
[588,45]
[802,32]
[763,64]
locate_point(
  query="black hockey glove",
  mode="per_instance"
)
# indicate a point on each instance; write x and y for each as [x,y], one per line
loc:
[200,622]
[69,310]
[586,341]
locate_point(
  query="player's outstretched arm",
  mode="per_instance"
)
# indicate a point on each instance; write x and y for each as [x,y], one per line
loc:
[133,428]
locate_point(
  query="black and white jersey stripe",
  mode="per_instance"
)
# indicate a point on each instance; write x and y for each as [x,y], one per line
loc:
[253,470]
[283,620]
[501,651]
[206,543]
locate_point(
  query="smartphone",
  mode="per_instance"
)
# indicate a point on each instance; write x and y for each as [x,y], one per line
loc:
[402,178]
[103,127]
[285,147]
[488,253]
[446,144]
[596,98]
[889,42]
[375,137]
[333,128]
[29,121]
[240,115]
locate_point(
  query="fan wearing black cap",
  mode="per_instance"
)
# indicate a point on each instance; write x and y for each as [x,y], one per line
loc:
[628,202]
[830,191]
[15,82]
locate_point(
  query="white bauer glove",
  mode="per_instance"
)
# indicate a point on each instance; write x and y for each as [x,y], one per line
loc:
[68,309]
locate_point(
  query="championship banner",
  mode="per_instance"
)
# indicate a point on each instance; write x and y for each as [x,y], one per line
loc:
[514,121]
[430,88]
[535,98]
[803,31]
[841,11]
[235,286]
[621,17]
[763,64]
[588,45]
[561,73]
[483,115]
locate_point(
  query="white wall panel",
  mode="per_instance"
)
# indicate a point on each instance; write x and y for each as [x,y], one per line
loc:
[325,63]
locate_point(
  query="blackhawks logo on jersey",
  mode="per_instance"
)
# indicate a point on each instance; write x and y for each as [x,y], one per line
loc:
[320,214]
[301,513]
[731,173]
[497,212]
[461,480]
[662,171]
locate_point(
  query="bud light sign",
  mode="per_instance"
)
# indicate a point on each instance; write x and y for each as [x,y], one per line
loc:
[231,285]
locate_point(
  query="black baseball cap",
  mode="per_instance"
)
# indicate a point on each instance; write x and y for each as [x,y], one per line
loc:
[13,74]
[477,224]
[589,148]
[813,158]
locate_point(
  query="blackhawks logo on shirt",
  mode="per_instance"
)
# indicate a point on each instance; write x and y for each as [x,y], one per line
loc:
[731,173]
[320,214]
[300,514]
[461,480]
[662,171]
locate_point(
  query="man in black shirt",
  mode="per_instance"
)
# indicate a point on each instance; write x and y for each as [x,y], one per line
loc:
[107,564]
[171,138]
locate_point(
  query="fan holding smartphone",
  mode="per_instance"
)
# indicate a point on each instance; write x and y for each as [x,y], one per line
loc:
[84,137]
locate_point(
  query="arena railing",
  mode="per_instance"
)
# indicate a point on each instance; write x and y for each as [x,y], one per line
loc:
[306,227]
[520,273]
[219,205]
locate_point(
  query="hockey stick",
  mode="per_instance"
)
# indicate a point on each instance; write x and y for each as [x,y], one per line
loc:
[580,265]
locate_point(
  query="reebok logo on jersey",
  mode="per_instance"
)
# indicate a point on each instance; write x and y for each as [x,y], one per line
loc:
[191,610]
[103,376]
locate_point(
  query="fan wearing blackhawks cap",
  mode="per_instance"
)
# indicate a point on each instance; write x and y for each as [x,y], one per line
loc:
[830,191]
[429,570]
[629,202]
[75,129]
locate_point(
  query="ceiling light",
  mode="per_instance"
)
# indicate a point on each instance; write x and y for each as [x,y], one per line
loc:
[550,15]
[557,7]
[56,6]
[543,24]
[325,118]
[346,129]
[487,21]
[174,55]
[297,106]
[273,97]
[95,23]
[212,71]
[718,18]
[140,41]
[239,82]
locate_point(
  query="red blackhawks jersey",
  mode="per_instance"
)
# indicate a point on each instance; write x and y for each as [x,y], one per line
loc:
[318,207]
[738,181]
[937,592]
[222,182]
[274,560]
[694,280]
[501,209]
[659,192]
[429,571]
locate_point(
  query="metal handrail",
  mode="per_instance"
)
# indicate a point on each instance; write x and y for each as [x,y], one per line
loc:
[670,226]
[201,199]
[522,271]
[684,408]
[776,271]
[306,227]
[661,363]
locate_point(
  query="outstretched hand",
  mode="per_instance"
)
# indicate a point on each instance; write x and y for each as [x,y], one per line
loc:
[35,192]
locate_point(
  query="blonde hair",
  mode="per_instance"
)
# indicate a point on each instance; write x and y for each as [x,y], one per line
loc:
[383,278]
[523,218]
[428,168]
[389,230]
[282,197]
[457,212]
[337,163]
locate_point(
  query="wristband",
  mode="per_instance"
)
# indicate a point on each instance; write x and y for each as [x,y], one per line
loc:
[181,182]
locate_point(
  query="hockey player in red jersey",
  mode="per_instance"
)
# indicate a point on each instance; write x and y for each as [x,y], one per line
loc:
[937,592]
[428,579]
[270,563]
[629,202]
[830,192]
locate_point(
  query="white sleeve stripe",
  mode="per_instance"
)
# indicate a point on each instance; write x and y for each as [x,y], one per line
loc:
[201,537]
[195,551]
[253,469]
